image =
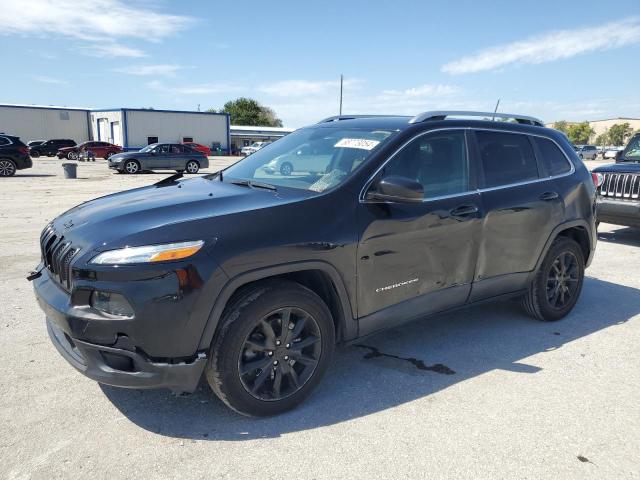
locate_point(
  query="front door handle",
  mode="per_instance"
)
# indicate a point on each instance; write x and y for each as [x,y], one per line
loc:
[546,196]
[464,211]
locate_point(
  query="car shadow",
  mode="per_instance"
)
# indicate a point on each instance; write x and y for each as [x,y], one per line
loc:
[391,368]
[624,236]
[33,175]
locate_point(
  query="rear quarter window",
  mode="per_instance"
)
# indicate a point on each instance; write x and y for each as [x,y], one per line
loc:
[4,141]
[507,158]
[552,159]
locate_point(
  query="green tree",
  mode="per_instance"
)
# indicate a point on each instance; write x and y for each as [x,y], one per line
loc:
[579,133]
[619,133]
[603,139]
[562,125]
[246,111]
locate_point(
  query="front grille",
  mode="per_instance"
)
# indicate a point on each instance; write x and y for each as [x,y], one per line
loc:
[621,186]
[57,254]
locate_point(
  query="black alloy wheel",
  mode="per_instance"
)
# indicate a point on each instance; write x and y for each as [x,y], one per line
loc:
[280,354]
[563,280]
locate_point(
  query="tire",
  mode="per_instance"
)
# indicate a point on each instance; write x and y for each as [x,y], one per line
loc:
[131,167]
[108,155]
[537,302]
[242,339]
[7,167]
[192,166]
[286,168]
[581,157]
[72,155]
[34,154]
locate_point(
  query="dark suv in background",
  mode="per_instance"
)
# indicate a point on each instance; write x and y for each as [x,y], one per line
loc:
[619,187]
[50,147]
[251,277]
[14,155]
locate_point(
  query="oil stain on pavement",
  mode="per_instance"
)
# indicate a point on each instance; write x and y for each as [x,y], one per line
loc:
[419,364]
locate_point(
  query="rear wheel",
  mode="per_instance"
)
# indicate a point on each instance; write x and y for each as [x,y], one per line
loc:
[192,166]
[558,282]
[108,155]
[273,346]
[7,167]
[34,154]
[132,166]
[72,155]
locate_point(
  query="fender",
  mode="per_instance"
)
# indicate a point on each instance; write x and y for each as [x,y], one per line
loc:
[349,326]
[554,234]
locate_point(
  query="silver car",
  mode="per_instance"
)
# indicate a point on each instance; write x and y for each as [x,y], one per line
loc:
[160,156]
[587,152]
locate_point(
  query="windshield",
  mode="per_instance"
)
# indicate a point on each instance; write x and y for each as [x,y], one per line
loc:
[633,149]
[314,158]
[148,148]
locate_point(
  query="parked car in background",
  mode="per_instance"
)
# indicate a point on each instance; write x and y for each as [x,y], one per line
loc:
[253,148]
[51,147]
[98,149]
[14,155]
[612,153]
[160,156]
[310,158]
[199,147]
[251,279]
[35,143]
[587,152]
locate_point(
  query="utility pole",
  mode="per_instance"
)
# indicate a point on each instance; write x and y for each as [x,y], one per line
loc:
[341,81]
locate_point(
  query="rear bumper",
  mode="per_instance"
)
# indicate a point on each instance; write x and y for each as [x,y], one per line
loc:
[23,163]
[125,368]
[619,212]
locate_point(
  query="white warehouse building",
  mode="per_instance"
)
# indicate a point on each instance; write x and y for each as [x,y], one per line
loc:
[31,122]
[131,128]
[134,128]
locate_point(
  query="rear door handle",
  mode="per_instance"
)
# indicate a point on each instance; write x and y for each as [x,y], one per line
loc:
[546,196]
[464,210]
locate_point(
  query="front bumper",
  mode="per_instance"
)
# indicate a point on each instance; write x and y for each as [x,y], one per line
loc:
[125,368]
[618,212]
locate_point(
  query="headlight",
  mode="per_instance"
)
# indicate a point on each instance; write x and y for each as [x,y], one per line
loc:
[148,253]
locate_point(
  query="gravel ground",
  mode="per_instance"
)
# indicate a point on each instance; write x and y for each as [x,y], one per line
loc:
[522,399]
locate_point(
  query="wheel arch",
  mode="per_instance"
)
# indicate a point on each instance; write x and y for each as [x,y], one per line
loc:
[577,230]
[319,277]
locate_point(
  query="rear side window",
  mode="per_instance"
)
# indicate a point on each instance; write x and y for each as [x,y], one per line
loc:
[552,159]
[506,158]
[4,141]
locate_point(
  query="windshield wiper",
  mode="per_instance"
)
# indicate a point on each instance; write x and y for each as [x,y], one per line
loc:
[250,183]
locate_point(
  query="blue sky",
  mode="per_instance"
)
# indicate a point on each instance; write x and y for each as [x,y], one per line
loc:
[571,60]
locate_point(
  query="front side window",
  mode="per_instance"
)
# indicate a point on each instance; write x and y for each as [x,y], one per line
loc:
[315,158]
[554,160]
[437,160]
[506,158]
[633,150]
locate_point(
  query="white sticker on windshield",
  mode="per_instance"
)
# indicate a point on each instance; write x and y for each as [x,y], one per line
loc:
[361,143]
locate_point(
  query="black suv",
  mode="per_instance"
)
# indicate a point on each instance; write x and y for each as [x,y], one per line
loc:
[14,155]
[619,187]
[253,276]
[50,147]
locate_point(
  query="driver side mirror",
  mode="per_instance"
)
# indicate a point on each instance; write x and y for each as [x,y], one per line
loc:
[396,189]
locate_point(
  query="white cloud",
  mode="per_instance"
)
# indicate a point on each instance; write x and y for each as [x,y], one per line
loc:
[426,90]
[142,70]
[51,80]
[551,46]
[95,22]
[194,89]
[111,49]
[301,88]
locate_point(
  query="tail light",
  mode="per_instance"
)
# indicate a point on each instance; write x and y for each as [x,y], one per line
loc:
[23,150]
[597,178]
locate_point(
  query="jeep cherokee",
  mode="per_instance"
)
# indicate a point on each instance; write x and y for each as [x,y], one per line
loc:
[252,276]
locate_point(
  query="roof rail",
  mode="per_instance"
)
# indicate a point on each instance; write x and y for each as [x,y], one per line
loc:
[337,118]
[442,114]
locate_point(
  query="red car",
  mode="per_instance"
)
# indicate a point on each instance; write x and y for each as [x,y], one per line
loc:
[99,149]
[200,148]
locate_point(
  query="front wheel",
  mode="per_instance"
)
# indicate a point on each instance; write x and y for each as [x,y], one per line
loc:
[132,167]
[286,168]
[192,166]
[274,344]
[108,155]
[72,155]
[558,282]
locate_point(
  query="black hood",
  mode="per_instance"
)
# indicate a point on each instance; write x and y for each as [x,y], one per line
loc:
[622,167]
